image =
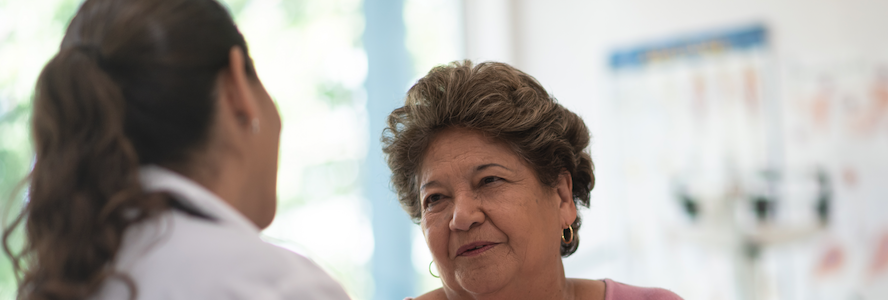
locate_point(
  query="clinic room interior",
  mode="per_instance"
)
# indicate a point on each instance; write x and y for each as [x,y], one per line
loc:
[739,147]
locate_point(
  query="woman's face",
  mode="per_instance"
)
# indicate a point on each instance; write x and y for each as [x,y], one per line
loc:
[487,219]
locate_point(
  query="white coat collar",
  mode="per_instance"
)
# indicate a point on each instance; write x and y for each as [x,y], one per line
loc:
[157,179]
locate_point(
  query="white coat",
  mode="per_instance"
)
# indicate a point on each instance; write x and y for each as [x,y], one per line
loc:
[181,256]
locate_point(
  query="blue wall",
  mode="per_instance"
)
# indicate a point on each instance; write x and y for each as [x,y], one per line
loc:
[388,76]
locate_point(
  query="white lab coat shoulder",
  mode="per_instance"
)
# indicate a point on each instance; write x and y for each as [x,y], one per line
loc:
[181,256]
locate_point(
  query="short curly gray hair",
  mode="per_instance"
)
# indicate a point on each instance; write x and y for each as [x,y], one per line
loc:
[501,102]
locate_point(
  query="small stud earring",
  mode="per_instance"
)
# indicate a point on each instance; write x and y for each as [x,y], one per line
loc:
[255,125]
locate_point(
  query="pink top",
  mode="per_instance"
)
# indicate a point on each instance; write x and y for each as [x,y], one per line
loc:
[617,291]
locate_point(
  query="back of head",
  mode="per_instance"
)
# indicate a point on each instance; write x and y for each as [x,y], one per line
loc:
[132,84]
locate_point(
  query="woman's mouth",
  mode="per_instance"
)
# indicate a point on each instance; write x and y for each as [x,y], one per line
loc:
[473,249]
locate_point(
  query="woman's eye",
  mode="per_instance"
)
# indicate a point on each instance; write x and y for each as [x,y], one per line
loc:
[430,200]
[489,180]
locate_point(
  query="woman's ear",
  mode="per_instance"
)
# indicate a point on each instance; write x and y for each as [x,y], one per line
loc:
[564,189]
[237,89]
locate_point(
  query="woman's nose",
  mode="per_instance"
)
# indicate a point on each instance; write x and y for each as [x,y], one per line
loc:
[467,212]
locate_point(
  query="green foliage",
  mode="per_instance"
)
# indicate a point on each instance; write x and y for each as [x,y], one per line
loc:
[65,11]
[23,52]
[235,7]
[15,159]
[296,11]
[335,94]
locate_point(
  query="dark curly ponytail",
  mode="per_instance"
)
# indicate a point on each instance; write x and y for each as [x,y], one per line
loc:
[132,84]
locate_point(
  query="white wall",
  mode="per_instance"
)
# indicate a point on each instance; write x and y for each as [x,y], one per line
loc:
[566,44]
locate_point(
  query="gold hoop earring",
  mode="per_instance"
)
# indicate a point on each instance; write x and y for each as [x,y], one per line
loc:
[430,269]
[567,241]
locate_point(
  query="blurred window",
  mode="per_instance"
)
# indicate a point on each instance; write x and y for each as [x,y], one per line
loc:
[434,36]
[309,56]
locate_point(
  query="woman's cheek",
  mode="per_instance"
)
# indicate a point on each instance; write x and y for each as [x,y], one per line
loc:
[437,234]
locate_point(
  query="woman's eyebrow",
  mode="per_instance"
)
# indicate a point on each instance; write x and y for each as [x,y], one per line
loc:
[478,168]
[427,184]
[485,166]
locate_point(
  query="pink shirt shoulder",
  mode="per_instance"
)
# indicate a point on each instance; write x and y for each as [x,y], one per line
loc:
[618,291]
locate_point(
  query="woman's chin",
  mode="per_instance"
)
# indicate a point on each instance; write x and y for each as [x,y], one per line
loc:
[481,280]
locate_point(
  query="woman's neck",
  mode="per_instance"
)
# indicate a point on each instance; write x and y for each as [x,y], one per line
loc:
[224,178]
[547,284]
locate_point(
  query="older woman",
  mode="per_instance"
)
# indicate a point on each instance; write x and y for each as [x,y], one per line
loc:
[492,168]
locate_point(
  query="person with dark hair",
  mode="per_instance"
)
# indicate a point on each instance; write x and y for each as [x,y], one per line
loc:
[156,164]
[493,168]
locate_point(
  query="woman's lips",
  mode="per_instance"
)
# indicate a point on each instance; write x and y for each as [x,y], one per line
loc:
[473,249]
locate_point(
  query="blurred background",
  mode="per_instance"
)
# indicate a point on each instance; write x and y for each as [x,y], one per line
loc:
[740,146]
